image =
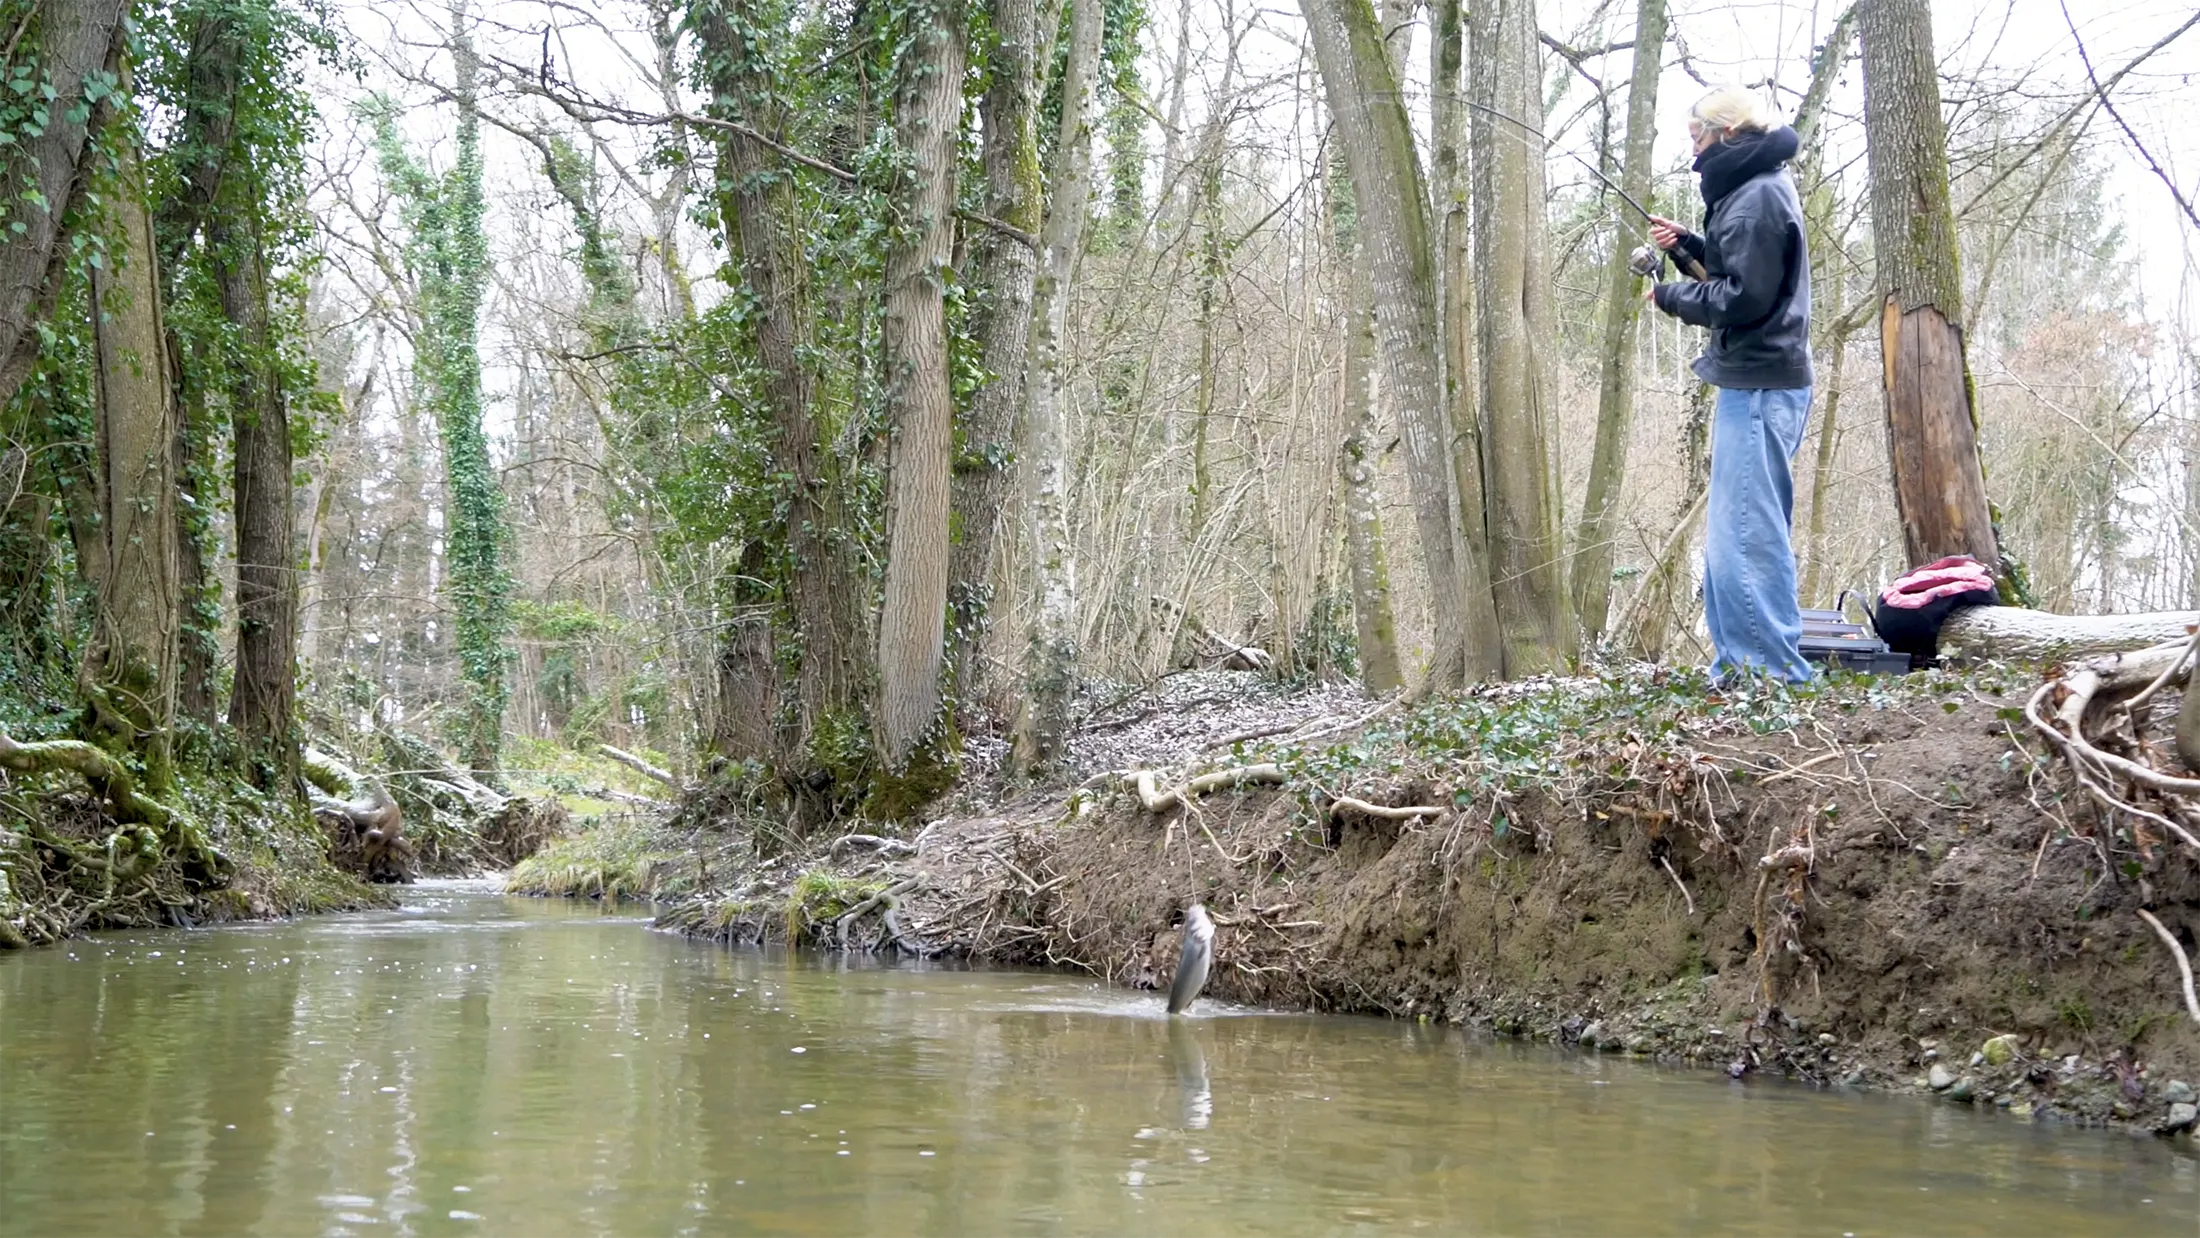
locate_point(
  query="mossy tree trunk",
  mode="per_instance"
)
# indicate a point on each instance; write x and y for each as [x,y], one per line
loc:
[1932,417]
[131,662]
[919,404]
[67,46]
[1600,508]
[1455,320]
[1375,623]
[758,210]
[225,197]
[1054,557]
[1004,269]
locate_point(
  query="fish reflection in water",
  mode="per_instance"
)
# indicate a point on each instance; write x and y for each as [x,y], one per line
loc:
[1193,1091]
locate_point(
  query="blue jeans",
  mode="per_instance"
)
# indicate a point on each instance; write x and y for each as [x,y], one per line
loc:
[1749,566]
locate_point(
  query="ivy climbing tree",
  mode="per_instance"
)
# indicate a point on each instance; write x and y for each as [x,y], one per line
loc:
[449,260]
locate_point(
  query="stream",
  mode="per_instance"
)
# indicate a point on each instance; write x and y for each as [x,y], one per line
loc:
[476,1064]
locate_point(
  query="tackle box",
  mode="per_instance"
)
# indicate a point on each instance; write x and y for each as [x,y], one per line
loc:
[1833,640]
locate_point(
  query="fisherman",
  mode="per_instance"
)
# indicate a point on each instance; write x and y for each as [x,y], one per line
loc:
[1755,298]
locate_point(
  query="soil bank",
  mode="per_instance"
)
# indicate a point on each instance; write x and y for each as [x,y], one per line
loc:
[1884,884]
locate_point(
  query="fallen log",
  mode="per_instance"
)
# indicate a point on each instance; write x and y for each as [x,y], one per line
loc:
[2014,634]
[642,767]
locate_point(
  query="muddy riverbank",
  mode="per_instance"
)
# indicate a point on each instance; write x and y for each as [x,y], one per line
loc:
[1880,883]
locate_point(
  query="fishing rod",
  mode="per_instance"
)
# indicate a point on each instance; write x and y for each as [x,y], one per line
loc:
[1645,260]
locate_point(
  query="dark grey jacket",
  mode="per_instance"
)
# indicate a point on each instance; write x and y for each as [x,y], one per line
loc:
[1757,299]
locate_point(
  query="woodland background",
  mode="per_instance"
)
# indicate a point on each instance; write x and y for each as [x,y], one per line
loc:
[650,374]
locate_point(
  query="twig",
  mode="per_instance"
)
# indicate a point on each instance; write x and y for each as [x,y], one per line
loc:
[2184,965]
[1691,899]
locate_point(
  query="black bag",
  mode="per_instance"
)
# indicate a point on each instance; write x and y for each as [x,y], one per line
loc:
[1948,585]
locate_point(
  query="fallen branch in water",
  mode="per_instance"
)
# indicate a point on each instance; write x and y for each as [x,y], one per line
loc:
[1159,801]
[2184,965]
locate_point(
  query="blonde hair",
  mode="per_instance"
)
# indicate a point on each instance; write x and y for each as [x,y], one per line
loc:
[1731,108]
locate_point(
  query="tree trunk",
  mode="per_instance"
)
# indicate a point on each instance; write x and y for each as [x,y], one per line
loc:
[2016,634]
[480,585]
[1532,605]
[1392,201]
[132,660]
[1005,269]
[1814,567]
[1054,634]
[757,206]
[224,192]
[74,41]
[1484,644]
[1932,420]
[1600,508]
[919,405]
[1374,623]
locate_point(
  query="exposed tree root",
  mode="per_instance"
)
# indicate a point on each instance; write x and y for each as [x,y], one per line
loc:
[2184,965]
[1409,812]
[1159,801]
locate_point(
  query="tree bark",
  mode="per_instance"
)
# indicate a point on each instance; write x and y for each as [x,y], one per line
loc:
[1392,200]
[224,194]
[1005,269]
[133,654]
[757,204]
[1600,508]
[1484,644]
[1932,418]
[1054,638]
[1532,606]
[1375,624]
[919,405]
[2016,634]
[74,41]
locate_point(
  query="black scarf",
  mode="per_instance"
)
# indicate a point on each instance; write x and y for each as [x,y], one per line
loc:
[1728,165]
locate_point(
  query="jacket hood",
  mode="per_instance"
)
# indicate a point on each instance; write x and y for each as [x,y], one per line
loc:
[1727,166]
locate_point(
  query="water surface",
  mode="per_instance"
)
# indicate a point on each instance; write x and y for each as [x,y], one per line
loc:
[481,1065]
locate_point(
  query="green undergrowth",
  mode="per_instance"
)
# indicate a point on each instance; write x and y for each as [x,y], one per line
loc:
[577,778]
[1545,735]
[626,855]
[821,896]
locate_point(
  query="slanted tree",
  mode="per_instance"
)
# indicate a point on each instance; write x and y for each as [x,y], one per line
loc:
[920,405]
[1932,415]
[1600,507]
[61,54]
